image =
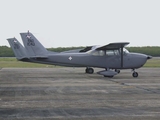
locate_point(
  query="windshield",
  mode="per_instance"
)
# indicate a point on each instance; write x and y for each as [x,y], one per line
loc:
[125,51]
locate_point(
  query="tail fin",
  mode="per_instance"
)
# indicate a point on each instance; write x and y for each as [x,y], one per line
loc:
[33,46]
[17,48]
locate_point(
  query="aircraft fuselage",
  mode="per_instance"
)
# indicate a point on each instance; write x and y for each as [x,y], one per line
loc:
[130,60]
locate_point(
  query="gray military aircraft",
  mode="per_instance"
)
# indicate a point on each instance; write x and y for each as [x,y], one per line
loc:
[111,57]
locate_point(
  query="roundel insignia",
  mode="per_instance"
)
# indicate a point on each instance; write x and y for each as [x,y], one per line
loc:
[70,58]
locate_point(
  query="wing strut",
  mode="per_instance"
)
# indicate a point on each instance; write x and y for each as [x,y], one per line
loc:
[122,56]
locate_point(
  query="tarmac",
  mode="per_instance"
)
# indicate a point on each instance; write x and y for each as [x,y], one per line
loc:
[68,93]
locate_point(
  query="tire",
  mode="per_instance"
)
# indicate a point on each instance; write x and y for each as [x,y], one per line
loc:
[89,70]
[135,74]
[86,70]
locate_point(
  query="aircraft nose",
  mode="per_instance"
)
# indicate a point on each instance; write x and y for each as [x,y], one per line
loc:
[136,60]
[142,59]
[145,57]
[149,57]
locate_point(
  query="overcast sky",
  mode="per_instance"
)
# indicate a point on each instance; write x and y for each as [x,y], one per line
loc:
[66,23]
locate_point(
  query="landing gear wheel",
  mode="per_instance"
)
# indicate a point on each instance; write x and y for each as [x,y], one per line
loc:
[86,70]
[89,70]
[118,71]
[135,74]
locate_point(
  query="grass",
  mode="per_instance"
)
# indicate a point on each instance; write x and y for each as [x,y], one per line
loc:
[12,62]
[154,62]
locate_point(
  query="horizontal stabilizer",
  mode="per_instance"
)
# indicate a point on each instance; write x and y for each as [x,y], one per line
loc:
[107,73]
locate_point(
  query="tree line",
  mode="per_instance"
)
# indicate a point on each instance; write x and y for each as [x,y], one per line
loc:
[149,50]
[6,51]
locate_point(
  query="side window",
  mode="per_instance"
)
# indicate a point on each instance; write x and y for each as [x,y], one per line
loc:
[116,52]
[98,53]
[109,52]
[95,53]
[101,53]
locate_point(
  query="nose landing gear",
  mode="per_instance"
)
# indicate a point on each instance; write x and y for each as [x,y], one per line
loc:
[134,74]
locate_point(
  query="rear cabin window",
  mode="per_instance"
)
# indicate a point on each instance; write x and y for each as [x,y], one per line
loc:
[98,53]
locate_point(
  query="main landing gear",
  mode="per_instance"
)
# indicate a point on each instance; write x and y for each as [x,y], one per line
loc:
[89,70]
[117,70]
[134,74]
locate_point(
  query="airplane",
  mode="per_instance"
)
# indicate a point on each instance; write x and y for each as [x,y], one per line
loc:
[112,57]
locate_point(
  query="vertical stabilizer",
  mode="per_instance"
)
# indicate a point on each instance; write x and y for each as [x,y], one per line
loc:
[33,46]
[17,48]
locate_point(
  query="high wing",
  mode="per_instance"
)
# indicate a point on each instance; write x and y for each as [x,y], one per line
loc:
[113,46]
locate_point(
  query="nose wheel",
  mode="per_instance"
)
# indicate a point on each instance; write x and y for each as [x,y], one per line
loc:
[134,74]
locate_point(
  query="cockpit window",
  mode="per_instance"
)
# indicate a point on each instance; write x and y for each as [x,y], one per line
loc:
[125,51]
[112,52]
[109,52]
[116,52]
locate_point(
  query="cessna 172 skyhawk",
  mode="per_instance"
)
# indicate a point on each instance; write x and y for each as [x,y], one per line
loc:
[111,57]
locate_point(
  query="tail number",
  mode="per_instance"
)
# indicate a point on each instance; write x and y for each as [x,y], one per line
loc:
[30,41]
[16,46]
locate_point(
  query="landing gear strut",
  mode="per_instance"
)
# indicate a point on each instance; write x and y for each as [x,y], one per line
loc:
[89,70]
[118,71]
[134,74]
